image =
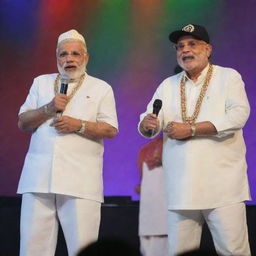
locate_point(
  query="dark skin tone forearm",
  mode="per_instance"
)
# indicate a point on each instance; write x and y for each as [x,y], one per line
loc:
[93,130]
[30,120]
[177,130]
[99,130]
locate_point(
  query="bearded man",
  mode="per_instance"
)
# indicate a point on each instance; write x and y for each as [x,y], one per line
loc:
[204,109]
[61,180]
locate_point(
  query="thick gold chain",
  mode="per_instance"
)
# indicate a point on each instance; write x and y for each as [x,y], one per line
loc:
[192,119]
[75,89]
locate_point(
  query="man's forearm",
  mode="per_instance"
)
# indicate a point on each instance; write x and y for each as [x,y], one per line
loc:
[31,119]
[205,129]
[101,130]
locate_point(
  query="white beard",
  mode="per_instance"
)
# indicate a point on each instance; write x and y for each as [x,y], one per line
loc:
[72,74]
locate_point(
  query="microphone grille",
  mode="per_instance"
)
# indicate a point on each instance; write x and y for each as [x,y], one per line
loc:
[64,79]
[157,105]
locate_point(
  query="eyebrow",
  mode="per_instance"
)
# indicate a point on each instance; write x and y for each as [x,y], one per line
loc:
[71,52]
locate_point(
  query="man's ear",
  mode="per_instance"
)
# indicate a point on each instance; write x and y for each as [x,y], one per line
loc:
[209,50]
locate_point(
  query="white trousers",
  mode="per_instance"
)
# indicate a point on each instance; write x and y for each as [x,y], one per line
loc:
[40,218]
[227,225]
[154,245]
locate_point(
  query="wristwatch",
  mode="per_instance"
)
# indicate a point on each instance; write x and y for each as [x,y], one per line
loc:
[193,130]
[82,129]
[47,111]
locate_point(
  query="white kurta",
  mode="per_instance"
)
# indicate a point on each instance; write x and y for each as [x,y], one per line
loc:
[206,172]
[153,203]
[67,163]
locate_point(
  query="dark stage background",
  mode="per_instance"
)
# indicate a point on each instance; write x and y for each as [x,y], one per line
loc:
[119,221]
[129,48]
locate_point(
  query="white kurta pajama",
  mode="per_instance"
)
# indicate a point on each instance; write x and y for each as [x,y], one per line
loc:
[205,172]
[153,213]
[67,164]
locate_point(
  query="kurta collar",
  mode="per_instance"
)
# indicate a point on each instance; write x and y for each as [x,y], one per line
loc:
[201,78]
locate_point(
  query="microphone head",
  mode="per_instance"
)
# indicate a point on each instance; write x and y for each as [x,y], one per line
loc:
[157,105]
[64,79]
[64,84]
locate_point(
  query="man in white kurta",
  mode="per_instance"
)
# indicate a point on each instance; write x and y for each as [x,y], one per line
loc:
[204,149]
[153,201]
[61,180]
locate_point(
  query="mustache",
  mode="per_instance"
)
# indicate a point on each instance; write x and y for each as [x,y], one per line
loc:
[72,74]
[190,57]
[70,66]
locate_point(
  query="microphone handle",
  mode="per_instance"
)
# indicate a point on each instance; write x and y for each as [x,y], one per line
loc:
[58,113]
[156,108]
[152,132]
[63,90]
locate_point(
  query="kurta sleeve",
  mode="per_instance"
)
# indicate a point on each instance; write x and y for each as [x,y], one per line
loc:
[107,109]
[32,98]
[237,107]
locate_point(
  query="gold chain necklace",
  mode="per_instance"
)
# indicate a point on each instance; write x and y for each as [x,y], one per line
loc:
[192,119]
[75,89]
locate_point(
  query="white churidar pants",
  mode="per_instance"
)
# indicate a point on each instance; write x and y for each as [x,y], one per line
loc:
[227,225]
[154,245]
[40,217]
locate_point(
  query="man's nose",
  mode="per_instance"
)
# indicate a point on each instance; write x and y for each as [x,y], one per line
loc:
[186,48]
[69,57]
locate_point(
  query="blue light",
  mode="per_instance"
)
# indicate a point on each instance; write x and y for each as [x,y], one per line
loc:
[19,21]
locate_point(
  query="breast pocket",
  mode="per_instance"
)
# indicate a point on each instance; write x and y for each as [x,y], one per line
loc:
[84,108]
[213,107]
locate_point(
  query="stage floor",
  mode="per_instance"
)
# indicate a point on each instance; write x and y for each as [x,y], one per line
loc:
[119,220]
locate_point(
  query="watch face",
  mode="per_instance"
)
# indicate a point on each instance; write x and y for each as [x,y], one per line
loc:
[82,129]
[193,130]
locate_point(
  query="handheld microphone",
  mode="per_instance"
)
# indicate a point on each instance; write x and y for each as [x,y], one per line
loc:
[63,90]
[63,87]
[157,105]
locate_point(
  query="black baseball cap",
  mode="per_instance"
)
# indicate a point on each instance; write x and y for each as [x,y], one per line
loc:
[197,31]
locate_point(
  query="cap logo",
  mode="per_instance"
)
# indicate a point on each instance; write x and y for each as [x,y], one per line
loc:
[189,28]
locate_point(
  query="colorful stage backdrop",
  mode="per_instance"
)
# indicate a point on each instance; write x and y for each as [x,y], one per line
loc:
[129,48]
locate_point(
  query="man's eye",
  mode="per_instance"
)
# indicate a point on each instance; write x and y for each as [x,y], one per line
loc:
[63,54]
[193,43]
[76,53]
